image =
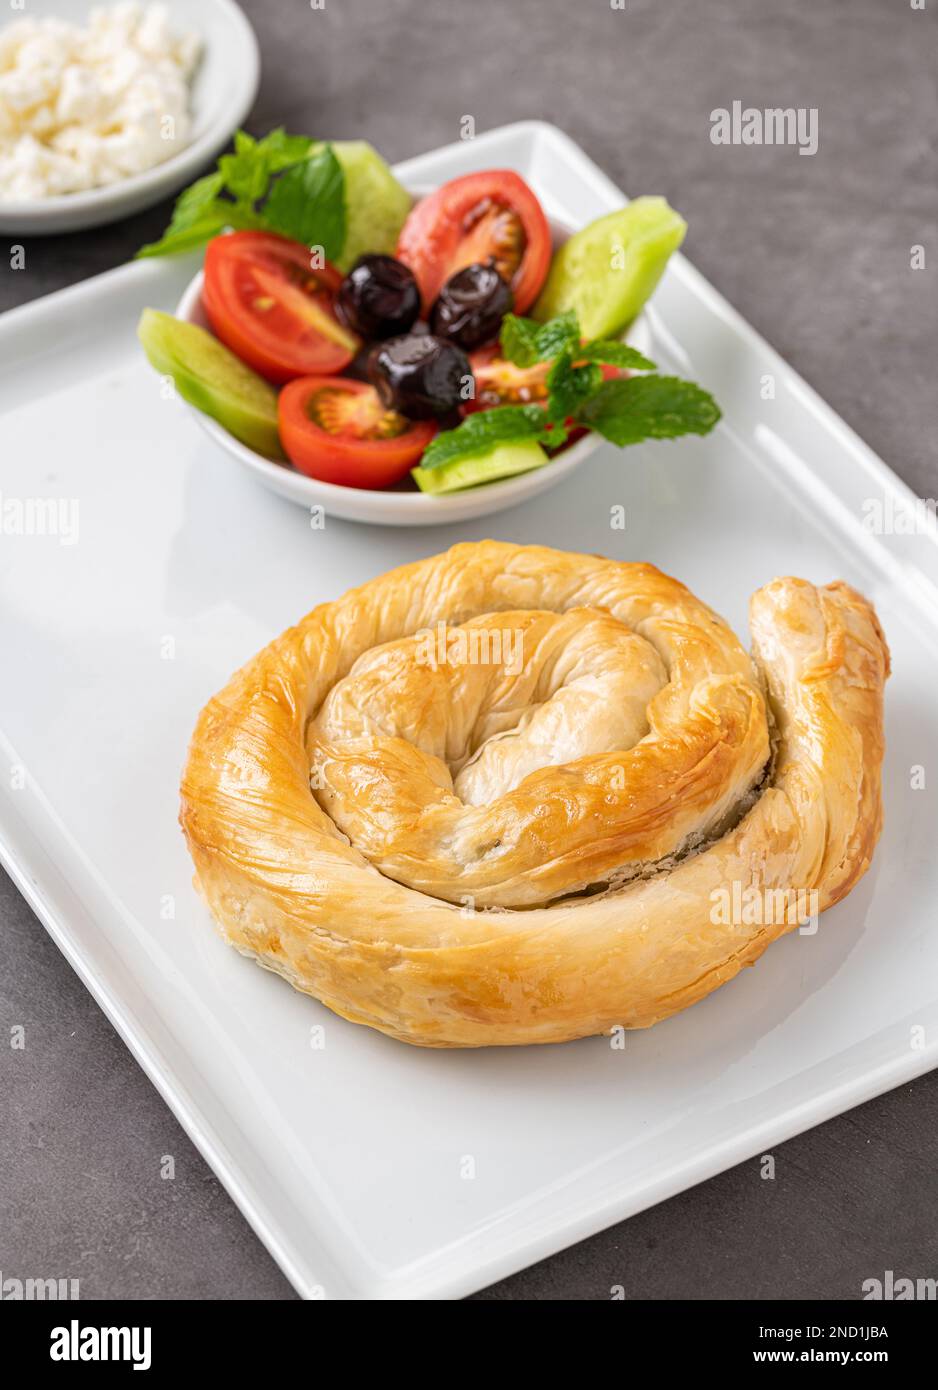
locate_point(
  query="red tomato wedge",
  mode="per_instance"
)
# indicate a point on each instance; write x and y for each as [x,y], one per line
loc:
[337,430]
[489,218]
[500,382]
[268,304]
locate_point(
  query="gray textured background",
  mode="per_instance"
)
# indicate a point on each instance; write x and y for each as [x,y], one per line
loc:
[815,253]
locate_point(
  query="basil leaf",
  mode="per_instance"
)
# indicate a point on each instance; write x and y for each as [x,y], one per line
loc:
[279,150]
[307,203]
[189,239]
[247,173]
[194,201]
[244,173]
[198,215]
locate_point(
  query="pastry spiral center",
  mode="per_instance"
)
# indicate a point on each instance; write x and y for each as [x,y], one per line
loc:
[500,760]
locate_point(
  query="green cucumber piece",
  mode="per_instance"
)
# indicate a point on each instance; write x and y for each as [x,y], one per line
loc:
[213,379]
[504,461]
[608,270]
[375,203]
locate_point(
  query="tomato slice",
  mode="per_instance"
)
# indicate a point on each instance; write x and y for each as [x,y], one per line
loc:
[500,382]
[267,303]
[337,430]
[485,218]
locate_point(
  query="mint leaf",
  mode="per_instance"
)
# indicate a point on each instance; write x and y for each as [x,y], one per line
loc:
[307,203]
[482,431]
[525,342]
[569,386]
[558,335]
[649,407]
[615,354]
[519,340]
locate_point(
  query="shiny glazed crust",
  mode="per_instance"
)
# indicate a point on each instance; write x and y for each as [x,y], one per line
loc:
[505,852]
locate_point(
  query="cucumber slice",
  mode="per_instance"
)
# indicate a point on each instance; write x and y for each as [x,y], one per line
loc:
[608,270]
[213,379]
[375,203]
[503,461]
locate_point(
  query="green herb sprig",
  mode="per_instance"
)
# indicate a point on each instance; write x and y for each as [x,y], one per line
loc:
[283,183]
[624,410]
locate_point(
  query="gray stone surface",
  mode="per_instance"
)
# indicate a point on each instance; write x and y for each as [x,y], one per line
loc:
[815,252]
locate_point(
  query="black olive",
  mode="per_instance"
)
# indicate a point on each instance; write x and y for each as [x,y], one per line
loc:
[421,376]
[379,297]
[358,368]
[471,306]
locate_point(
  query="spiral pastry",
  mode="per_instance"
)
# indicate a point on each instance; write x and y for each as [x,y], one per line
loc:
[514,795]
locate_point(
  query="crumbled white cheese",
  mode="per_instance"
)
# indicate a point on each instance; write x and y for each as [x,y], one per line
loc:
[85,107]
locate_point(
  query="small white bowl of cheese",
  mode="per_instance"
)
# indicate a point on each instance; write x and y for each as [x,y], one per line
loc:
[105,109]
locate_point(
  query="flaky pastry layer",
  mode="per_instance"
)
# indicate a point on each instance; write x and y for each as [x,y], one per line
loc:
[536,843]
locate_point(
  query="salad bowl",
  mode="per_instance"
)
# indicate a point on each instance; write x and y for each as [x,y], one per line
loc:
[402,505]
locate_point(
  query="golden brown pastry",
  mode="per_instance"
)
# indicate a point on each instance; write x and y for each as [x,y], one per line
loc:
[514,795]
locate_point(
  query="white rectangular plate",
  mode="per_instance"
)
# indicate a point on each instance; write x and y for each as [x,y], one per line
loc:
[371,1169]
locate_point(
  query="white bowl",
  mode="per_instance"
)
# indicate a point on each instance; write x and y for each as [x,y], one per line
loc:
[223,93]
[391,507]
